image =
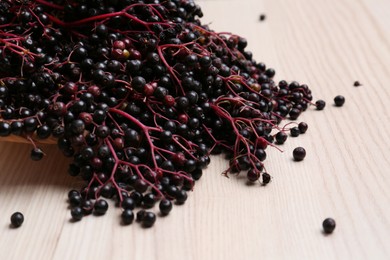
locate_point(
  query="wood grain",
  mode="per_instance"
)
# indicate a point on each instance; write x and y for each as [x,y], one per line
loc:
[326,44]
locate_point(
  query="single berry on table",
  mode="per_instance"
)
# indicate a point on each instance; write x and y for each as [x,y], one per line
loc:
[329,224]
[339,100]
[299,153]
[17,219]
[357,84]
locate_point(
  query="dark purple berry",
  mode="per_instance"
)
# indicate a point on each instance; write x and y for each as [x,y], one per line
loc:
[165,206]
[17,219]
[320,104]
[77,213]
[339,101]
[127,216]
[299,154]
[302,126]
[329,225]
[148,219]
[36,154]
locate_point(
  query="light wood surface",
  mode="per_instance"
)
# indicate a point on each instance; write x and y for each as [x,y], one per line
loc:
[346,174]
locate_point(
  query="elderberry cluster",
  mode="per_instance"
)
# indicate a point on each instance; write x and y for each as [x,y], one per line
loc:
[139,93]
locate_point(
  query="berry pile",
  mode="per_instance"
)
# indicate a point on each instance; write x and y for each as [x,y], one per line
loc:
[139,93]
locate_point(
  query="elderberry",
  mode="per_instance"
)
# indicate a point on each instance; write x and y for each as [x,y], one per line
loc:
[128,203]
[5,129]
[139,104]
[339,100]
[329,224]
[320,104]
[17,219]
[140,215]
[36,154]
[165,206]
[148,219]
[77,213]
[281,137]
[100,207]
[302,126]
[127,216]
[294,131]
[299,153]
[357,84]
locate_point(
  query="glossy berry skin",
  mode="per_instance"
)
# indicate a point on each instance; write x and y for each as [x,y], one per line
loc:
[128,203]
[149,200]
[302,126]
[72,193]
[281,137]
[127,217]
[17,219]
[148,219]
[329,225]
[294,131]
[320,104]
[339,101]
[181,197]
[77,213]
[75,199]
[165,206]
[5,129]
[36,154]
[100,207]
[299,154]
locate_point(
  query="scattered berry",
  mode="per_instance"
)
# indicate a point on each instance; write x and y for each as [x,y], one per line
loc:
[17,219]
[357,84]
[262,17]
[320,104]
[329,225]
[299,154]
[339,101]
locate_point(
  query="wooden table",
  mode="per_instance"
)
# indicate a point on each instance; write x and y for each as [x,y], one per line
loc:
[346,174]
